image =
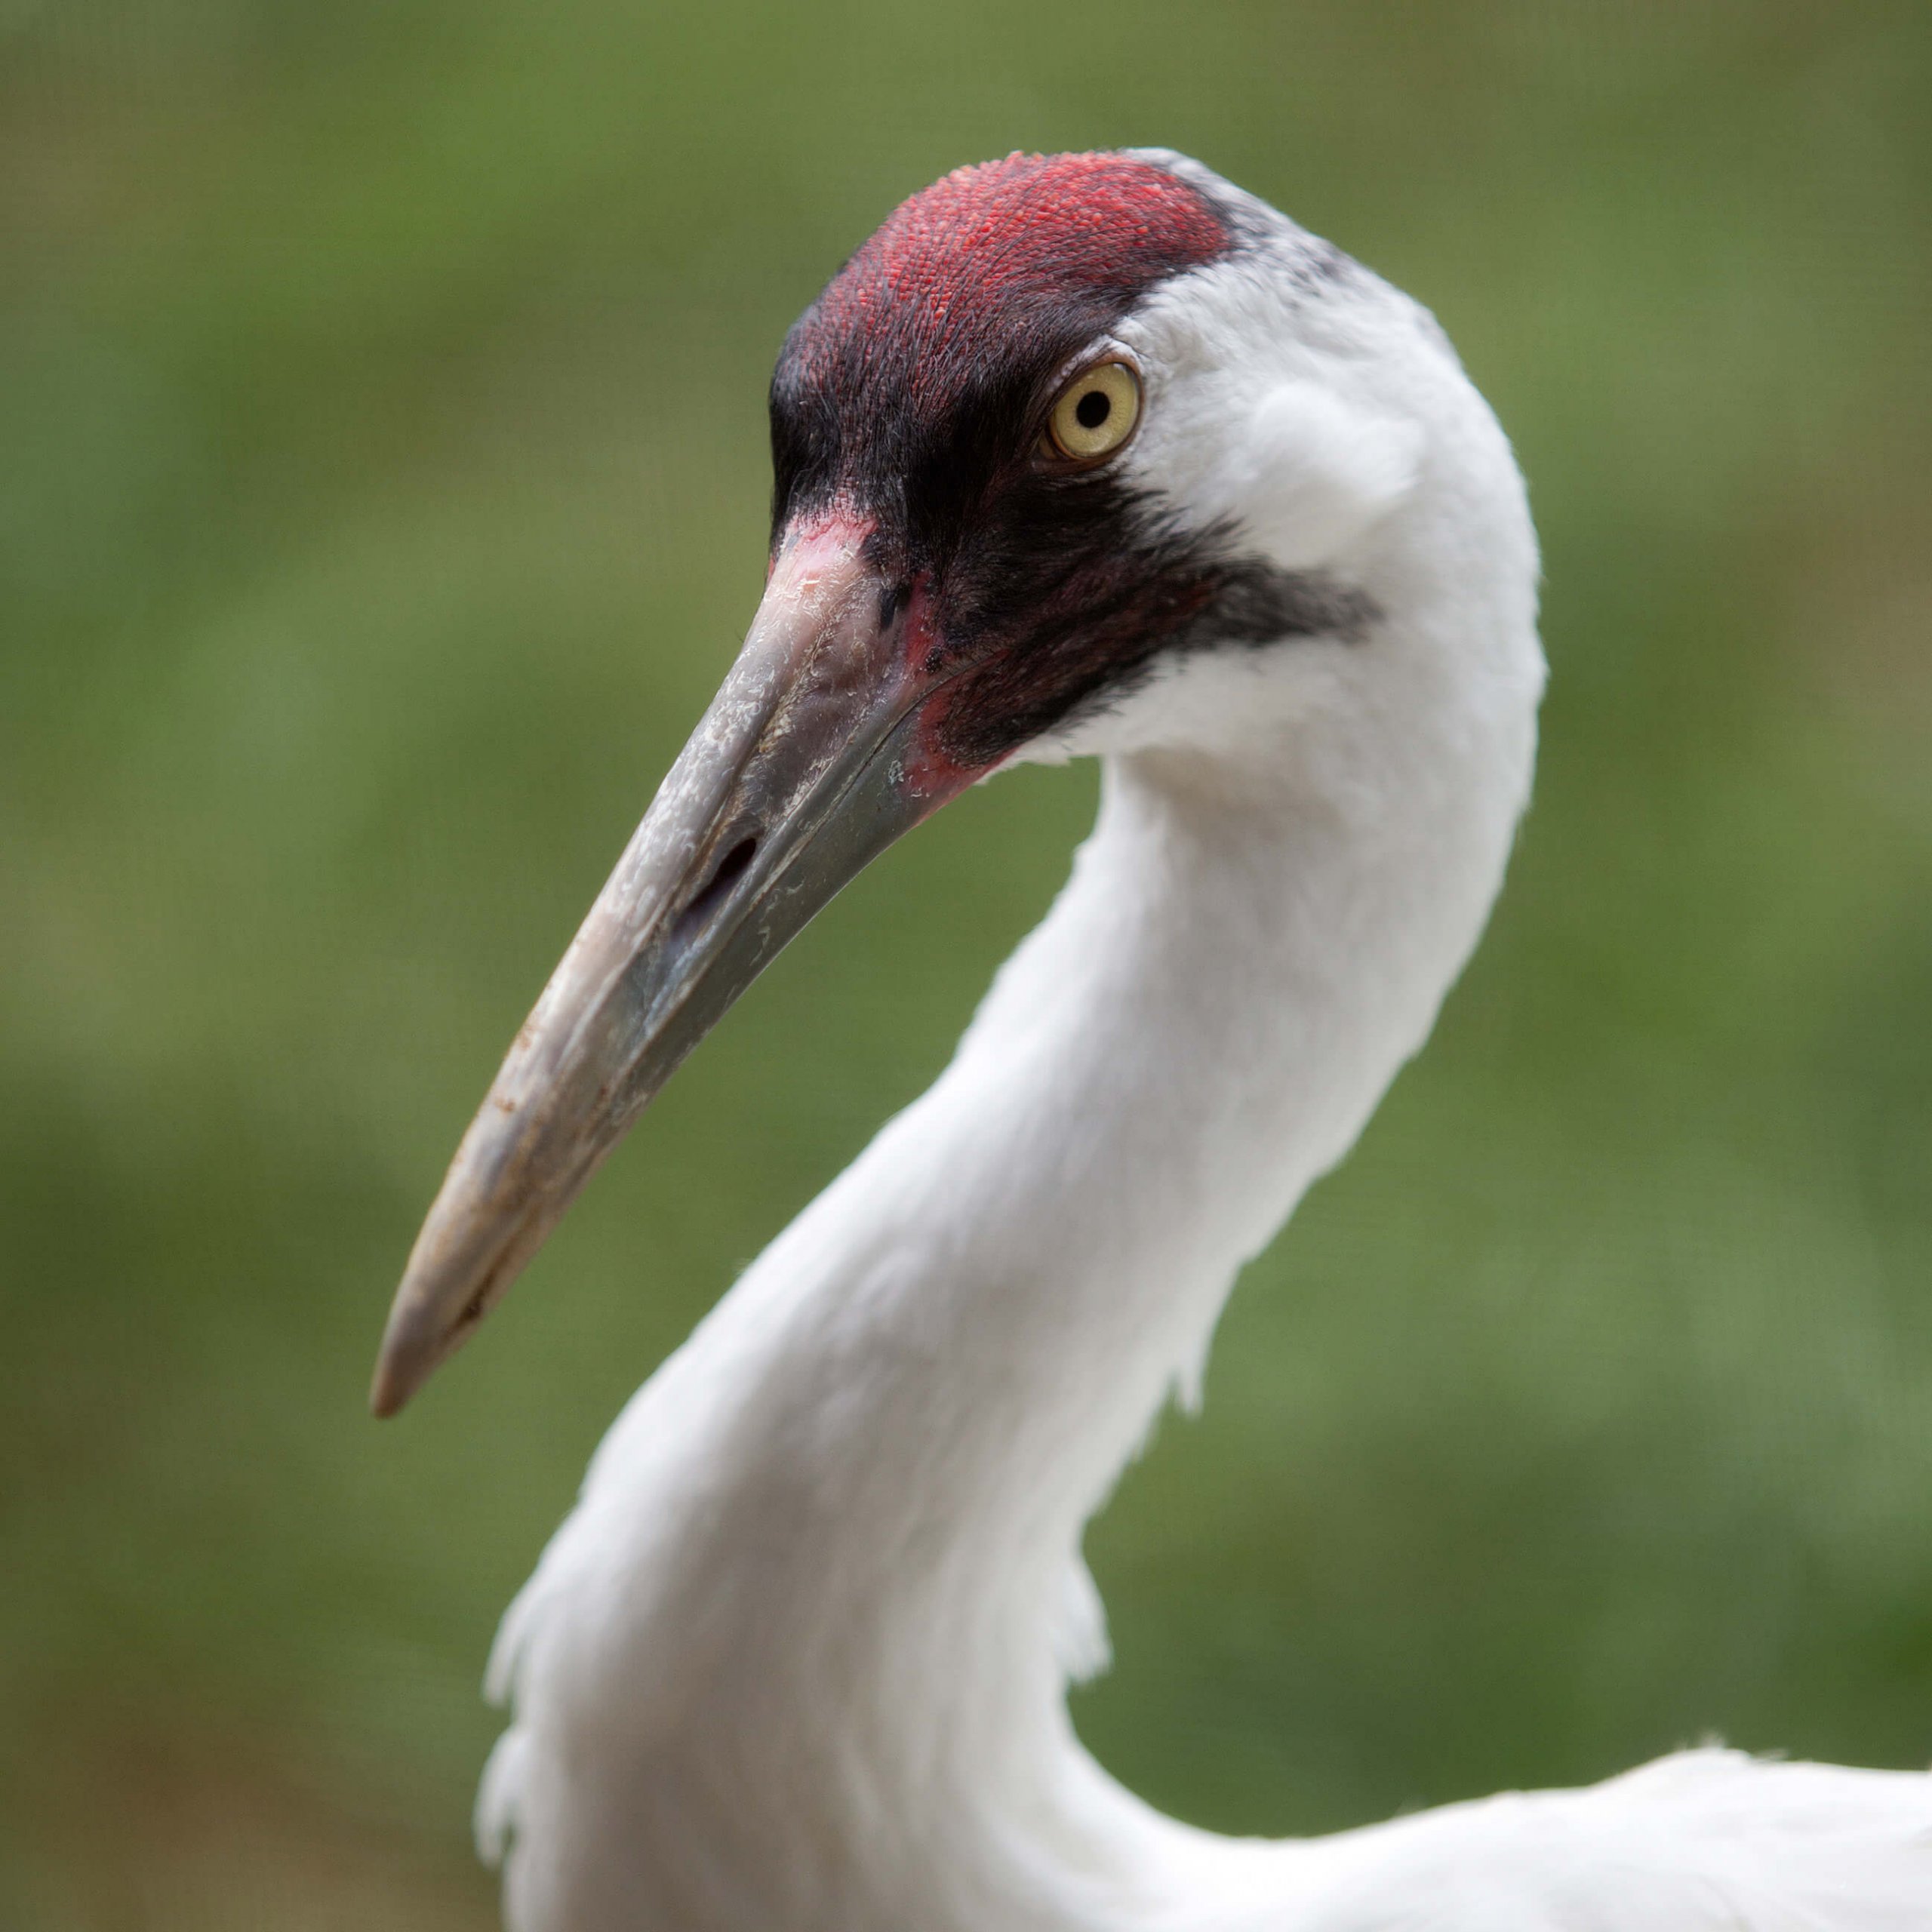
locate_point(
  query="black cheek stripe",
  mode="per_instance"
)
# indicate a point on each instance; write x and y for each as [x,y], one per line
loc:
[1093,637]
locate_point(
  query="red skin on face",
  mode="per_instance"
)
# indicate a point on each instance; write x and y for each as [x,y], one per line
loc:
[962,261]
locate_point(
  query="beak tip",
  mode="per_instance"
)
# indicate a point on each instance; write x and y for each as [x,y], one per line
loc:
[409,1352]
[387,1394]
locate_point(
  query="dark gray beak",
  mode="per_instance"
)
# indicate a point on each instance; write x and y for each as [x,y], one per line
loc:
[804,769]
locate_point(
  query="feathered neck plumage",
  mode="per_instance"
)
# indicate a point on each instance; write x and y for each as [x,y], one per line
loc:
[832,1658]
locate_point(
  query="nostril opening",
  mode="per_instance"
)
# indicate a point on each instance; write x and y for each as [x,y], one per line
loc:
[730,865]
[729,869]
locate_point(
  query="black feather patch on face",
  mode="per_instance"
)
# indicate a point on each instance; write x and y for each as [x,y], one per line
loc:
[913,394]
[1071,588]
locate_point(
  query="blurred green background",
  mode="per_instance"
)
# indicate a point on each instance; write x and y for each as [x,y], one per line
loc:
[382,491]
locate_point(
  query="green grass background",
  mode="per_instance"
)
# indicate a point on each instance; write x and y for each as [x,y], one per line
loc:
[382,492]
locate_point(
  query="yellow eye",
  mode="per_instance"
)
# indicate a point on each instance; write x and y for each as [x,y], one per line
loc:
[1096,413]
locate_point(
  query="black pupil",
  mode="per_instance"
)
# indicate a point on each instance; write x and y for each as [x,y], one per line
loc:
[1092,409]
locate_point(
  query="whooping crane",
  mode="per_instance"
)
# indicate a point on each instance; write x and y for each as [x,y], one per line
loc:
[1084,454]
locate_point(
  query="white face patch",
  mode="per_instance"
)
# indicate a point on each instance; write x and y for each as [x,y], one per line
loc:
[1302,415]
[1261,416]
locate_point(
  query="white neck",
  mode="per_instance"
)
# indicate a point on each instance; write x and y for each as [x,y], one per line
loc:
[802,1649]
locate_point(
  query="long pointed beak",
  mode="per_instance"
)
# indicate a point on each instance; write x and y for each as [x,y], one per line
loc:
[802,771]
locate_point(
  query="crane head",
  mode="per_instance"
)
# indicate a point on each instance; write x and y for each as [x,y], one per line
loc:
[1064,435]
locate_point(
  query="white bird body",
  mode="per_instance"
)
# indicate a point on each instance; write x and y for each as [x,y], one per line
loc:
[797,1661]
